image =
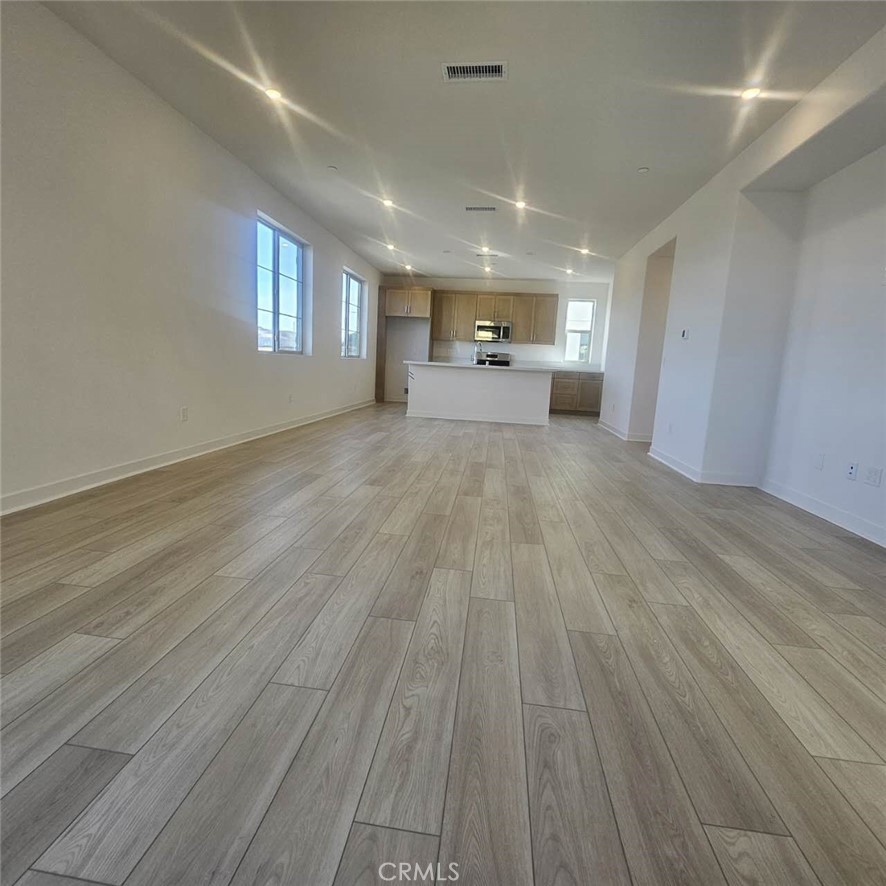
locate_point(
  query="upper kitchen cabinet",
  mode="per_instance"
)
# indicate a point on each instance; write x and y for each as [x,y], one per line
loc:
[534,319]
[492,306]
[544,319]
[408,303]
[453,317]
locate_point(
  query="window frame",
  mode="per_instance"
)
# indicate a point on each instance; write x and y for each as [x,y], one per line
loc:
[281,234]
[349,276]
[589,332]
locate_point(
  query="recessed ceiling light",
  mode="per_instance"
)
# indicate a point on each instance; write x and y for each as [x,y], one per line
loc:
[750,92]
[447,251]
[487,269]
[520,204]
[485,248]
[332,168]
[408,267]
[274,94]
[388,202]
[530,253]
[643,170]
[568,270]
[391,246]
[585,251]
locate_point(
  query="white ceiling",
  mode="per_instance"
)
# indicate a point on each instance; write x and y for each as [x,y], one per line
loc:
[595,90]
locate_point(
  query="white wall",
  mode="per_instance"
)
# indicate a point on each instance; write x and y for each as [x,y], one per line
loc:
[704,227]
[759,293]
[543,353]
[832,399]
[128,278]
[408,338]
[650,342]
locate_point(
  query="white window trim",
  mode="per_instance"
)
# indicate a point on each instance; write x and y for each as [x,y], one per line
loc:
[567,330]
[346,271]
[305,290]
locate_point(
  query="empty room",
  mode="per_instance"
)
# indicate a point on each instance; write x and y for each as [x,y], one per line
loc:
[443,442]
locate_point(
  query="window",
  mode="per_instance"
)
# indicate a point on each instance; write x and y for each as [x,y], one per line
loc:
[579,330]
[280,284]
[351,315]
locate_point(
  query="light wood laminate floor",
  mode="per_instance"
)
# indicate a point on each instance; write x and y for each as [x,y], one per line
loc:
[533,653]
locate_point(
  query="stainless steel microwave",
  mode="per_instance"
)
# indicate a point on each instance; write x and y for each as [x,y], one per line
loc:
[492,330]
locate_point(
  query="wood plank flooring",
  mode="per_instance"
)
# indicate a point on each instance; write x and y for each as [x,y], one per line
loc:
[533,653]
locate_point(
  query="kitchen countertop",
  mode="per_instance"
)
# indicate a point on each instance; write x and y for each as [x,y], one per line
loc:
[517,368]
[523,365]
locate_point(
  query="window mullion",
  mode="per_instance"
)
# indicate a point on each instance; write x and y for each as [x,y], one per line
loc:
[276,290]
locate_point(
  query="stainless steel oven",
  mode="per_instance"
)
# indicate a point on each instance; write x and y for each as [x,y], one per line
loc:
[492,330]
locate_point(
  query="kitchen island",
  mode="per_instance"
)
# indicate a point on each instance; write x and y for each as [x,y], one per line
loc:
[511,394]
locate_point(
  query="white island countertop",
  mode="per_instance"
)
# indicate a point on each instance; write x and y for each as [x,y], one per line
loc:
[443,365]
[465,391]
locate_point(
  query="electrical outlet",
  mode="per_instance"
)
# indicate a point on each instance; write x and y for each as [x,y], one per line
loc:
[818,464]
[685,335]
[852,471]
[183,413]
[873,476]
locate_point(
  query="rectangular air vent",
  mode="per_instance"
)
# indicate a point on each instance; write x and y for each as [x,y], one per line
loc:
[479,209]
[461,73]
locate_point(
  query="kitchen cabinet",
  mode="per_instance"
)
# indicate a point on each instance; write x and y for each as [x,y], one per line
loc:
[408,303]
[485,306]
[494,306]
[544,319]
[453,316]
[465,316]
[521,319]
[590,393]
[577,392]
[534,319]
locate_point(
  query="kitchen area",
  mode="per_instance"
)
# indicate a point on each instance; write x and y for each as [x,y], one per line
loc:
[483,355]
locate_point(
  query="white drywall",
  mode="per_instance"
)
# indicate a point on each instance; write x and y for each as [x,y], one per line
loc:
[656,293]
[759,294]
[705,228]
[408,338]
[540,353]
[832,400]
[129,282]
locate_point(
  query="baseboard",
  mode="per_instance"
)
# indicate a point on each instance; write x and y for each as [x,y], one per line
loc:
[859,525]
[411,413]
[720,479]
[36,495]
[624,435]
[676,465]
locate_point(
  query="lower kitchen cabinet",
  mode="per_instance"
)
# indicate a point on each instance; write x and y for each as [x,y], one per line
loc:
[577,392]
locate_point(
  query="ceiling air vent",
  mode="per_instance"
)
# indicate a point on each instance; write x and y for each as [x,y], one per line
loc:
[479,209]
[475,71]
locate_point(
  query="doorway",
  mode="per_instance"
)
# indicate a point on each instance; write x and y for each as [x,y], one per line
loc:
[650,344]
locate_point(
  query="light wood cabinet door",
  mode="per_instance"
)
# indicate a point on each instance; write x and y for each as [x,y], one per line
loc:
[465,316]
[504,307]
[485,307]
[590,395]
[419,302]
[521,319]
[564,394]
[443,317]
[544,320]
[397,303]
